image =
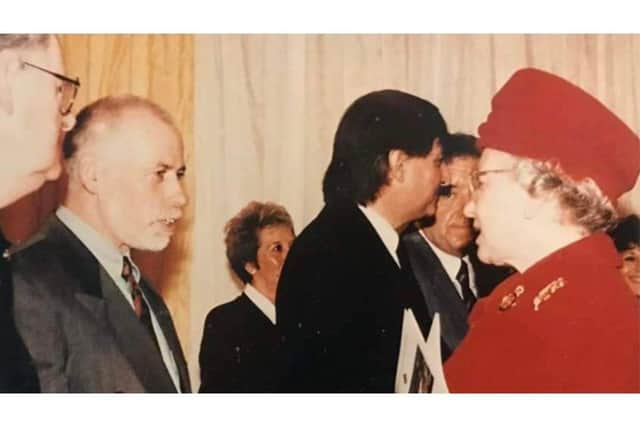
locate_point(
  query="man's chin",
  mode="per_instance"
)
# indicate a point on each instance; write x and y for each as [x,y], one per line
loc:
[53,173]
[19,188]
[482,253]
[153,245]
[430,210]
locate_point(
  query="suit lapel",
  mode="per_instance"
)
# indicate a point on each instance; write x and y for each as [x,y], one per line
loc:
[354,222]
[402,279]
[134,341]
[76,259]
[166,324]
[78,262]
[439,293]
[96,291]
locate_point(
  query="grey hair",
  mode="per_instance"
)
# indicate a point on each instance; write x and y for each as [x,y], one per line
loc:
[24,41]
[582,202]
[104,112]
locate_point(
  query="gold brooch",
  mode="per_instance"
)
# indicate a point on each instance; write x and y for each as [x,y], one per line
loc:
[509,300]
[546,292]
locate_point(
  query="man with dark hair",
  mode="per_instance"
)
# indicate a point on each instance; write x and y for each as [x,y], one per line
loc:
[342,292]
[35,106]
[440,247]
[90,320]
[240,343]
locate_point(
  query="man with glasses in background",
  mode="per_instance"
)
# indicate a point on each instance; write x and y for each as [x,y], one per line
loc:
[35,105]
[554,162]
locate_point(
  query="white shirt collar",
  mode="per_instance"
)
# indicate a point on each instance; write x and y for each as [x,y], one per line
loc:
[261,302]
[386,232]
[107,254]
[451,265]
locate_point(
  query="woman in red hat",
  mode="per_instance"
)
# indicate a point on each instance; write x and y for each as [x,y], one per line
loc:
[554,158]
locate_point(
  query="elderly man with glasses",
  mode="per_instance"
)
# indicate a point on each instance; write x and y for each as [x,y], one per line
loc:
[35,105]
[554,160]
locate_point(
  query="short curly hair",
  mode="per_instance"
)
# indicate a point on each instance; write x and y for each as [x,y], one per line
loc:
[582,202]
[242,233]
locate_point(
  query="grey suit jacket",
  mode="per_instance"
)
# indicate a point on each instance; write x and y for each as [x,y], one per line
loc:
[439,293]
[79,329]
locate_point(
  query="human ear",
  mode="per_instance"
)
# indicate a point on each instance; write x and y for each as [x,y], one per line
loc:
[250,267]
[88,173]
[397,159]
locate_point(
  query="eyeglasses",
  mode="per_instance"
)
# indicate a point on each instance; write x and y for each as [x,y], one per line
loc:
[475,182]
[67,91]
[445,190]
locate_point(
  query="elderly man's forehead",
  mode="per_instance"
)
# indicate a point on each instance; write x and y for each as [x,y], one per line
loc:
[136,134]
[132,120]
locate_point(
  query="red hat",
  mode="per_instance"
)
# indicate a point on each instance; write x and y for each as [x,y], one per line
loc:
[541,116]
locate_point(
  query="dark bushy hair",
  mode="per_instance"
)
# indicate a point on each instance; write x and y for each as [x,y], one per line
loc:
[370,128]
[243,230]
[458,145]
[626,234]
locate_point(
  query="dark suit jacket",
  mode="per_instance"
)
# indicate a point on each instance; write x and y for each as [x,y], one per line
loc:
[440,294]
[79,328]
[17,373]
[339,307]
[239,351]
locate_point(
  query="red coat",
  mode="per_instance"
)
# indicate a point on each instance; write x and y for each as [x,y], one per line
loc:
[583,337]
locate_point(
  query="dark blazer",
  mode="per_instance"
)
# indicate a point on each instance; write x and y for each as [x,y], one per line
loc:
[440,294]
[239,351]
[79,328]
[339,307]
[17,373]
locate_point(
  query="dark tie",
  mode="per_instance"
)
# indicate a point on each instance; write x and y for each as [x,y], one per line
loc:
[463,278]
[139,305]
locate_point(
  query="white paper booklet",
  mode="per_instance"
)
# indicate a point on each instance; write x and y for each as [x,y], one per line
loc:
[420,362]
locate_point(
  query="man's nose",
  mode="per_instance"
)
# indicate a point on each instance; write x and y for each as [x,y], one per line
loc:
[470,209]
[180,195]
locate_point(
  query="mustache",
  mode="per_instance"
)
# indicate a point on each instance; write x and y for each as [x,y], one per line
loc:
[425,221]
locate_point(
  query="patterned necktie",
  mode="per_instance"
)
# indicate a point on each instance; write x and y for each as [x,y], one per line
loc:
[463,278]
[139,305]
